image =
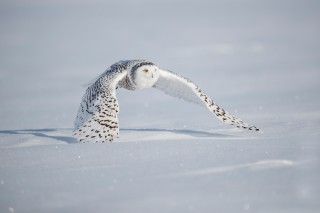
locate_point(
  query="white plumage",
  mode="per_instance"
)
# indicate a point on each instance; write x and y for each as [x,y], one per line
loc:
[97,119]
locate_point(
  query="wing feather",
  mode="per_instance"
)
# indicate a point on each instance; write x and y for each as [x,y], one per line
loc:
[97,118]
[183,88]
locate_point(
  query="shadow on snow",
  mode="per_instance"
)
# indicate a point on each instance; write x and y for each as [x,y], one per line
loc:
[193,133]
[45,133]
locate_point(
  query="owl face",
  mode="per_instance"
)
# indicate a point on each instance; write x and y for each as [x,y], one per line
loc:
[144,76]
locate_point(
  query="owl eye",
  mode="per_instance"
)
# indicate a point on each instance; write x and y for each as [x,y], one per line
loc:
[145,70]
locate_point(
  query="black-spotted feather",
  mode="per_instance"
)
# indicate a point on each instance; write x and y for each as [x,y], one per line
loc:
[97,118]
[183,88]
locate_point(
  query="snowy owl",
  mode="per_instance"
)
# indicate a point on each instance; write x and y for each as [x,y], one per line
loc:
[97,118]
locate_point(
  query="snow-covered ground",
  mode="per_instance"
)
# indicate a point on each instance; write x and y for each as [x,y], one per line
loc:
[257,59]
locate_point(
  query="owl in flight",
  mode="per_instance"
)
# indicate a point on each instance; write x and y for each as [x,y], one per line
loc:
[97,118]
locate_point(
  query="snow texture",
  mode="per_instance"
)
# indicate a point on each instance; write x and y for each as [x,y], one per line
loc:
[257,59]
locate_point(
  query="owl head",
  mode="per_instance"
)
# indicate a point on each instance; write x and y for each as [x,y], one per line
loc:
[144,74]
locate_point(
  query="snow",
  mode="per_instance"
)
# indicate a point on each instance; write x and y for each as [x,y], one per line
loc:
[258,60]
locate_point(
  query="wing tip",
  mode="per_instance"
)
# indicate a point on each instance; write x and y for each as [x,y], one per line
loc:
[253,128]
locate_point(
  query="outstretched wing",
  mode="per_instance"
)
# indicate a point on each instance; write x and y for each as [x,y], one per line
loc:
[97,119]
[181,87]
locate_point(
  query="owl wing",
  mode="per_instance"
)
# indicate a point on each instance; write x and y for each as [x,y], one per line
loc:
[183,88]
[97,118]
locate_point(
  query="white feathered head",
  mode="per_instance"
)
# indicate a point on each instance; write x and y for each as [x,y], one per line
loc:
[144,74]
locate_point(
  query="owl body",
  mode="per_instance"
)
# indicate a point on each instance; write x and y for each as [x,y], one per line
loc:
[97,118]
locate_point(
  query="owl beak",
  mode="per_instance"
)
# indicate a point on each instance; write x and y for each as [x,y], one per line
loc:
[151,75]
